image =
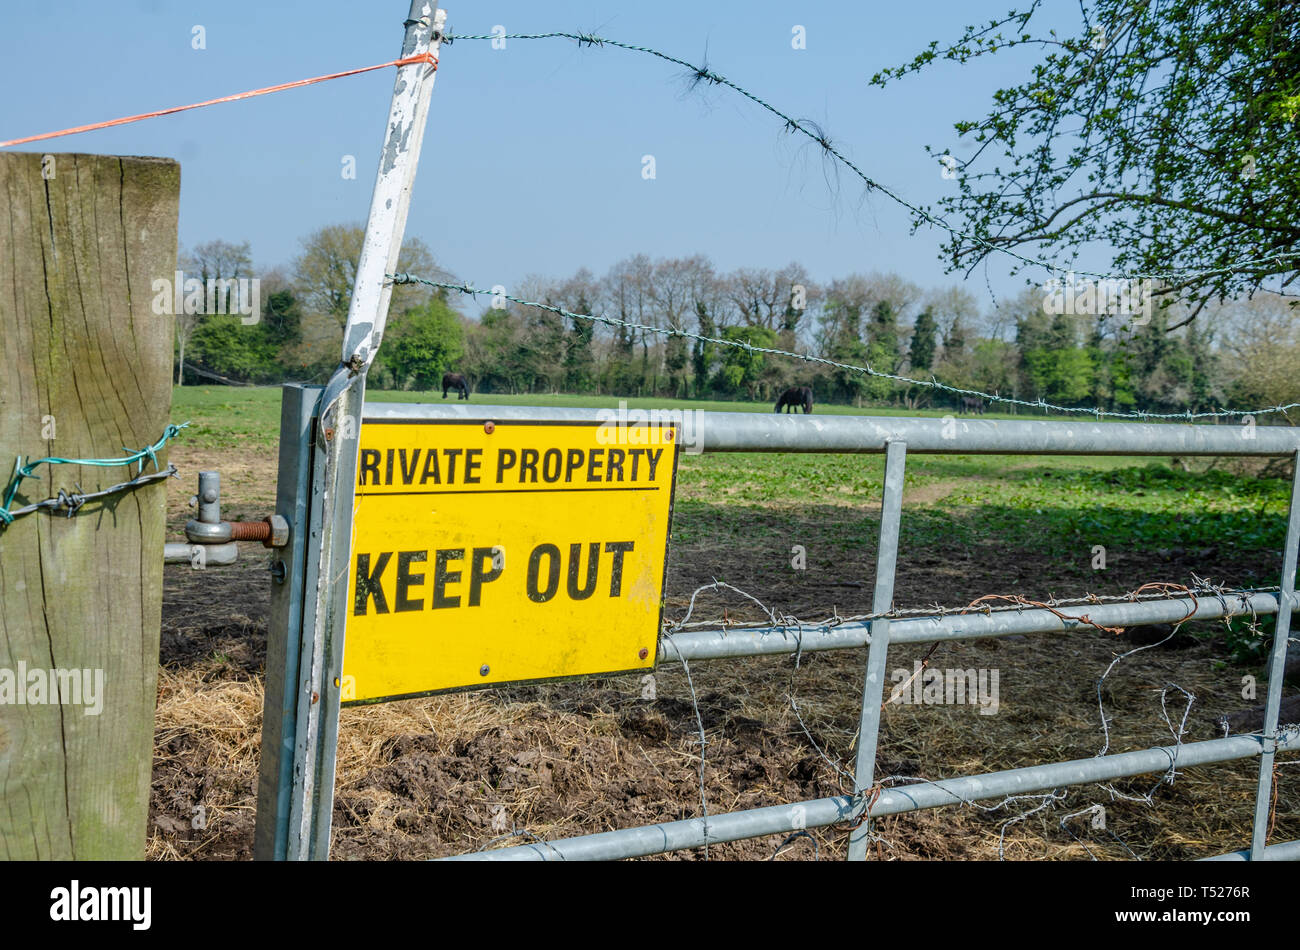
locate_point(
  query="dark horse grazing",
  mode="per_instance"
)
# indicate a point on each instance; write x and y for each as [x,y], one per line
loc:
[972,404]
[795,396]
[457,382]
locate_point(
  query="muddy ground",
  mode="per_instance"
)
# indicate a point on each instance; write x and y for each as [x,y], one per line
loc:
[444,775]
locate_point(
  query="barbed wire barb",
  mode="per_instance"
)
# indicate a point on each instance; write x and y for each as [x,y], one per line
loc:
[71,502]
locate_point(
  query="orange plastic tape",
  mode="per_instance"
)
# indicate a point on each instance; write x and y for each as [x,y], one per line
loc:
[407,61]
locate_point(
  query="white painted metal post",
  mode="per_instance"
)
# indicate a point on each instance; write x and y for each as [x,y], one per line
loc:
[337,440]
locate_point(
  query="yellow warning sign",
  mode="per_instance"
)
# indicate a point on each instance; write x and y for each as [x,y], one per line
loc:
[488,553]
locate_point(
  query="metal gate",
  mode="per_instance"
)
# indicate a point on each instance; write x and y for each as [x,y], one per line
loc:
[304,653]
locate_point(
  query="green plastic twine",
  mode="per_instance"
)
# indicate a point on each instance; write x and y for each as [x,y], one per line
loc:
[23,471]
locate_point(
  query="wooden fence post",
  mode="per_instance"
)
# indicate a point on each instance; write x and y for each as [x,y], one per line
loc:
[87,373]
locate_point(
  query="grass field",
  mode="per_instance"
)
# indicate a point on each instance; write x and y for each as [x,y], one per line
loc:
[430,777]
[1068,499]
[224,416]
[224,413]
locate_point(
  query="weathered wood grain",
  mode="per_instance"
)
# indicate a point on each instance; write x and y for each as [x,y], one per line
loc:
[88,362]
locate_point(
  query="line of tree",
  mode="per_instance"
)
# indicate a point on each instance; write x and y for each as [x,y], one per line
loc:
[1163,129]
[1238,353]
[299,329]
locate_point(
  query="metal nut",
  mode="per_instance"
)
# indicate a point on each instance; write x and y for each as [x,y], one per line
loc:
[279,531]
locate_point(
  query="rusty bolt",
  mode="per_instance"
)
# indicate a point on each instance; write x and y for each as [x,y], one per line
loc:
[272,531]
[329,433]
[250,530]
[643,653]
[489,427]
[315,698]
[669,435]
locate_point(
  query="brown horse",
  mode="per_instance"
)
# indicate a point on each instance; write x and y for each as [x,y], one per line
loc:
[795,396]
[457,382]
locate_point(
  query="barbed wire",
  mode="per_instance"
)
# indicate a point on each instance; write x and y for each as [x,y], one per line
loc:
[931,383]
[1198,588]
[1037,802]
[1152,591]
[702,73]
[1093,810]
[1105,723]
[517,832]
[72,501]
[699,722]
[817,851]
[797,656]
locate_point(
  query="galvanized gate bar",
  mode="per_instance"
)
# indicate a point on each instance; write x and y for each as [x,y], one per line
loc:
[783,641]
[891,508]
[1286,851]
[762,432]
[284,629]
[820,812]
[1276,674]
[319,446]
[748,432]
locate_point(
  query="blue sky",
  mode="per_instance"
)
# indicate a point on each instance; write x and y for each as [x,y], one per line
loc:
[533,155]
